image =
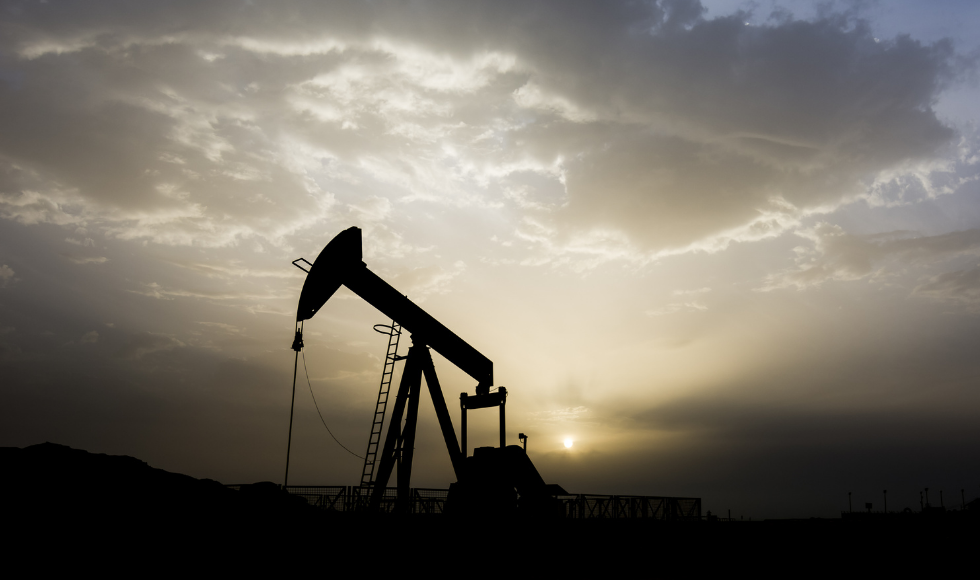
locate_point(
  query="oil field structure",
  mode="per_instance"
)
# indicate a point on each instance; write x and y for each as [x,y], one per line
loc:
[499,481]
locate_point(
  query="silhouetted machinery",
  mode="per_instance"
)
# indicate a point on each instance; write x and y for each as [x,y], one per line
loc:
[495,480]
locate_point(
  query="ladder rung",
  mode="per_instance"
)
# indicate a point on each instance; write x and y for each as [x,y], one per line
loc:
[387,374]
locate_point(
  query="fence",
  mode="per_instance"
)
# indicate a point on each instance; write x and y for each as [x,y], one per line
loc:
[588,506]
[433,501]
[348,498]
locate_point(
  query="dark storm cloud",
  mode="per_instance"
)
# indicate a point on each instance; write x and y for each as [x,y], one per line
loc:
[143,140]
[193,410]
[792,442]
[714,119]
[788,420]
[787,463]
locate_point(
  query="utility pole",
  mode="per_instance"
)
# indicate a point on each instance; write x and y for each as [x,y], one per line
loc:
[886,500]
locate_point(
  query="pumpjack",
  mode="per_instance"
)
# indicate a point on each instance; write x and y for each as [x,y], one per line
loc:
[494,480]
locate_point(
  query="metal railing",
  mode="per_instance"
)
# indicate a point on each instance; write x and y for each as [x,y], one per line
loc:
[590,506]
[349,498]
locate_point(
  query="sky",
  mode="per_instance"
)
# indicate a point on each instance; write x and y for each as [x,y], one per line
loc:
[730,249]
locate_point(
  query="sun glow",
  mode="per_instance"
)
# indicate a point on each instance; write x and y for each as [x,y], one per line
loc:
[568,443]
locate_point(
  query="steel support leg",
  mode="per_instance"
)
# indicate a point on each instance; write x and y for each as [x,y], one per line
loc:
[463,449]
[408,435]
[389,454]
[442,412]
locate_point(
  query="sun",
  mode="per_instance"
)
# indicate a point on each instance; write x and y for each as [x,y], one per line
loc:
[568,443]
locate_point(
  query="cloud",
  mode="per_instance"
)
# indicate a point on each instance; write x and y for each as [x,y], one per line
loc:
[185,170]
[6,275]
[90,337]
[959,286]
[234,270]
[698,130]
[694,292]
[581,252]
[837,255]
[678,132]
[531,96]
[677,307]
[559,415]
[154,290]
[146,343]
[767,421]
[421,283]
[86,260]
[140,345]
[221,326]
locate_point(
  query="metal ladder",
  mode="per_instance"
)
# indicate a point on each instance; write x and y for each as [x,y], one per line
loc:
[394,332]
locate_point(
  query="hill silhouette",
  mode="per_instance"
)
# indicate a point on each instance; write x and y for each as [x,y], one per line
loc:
[51,483]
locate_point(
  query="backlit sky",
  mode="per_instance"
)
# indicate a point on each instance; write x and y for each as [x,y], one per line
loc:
[731,249]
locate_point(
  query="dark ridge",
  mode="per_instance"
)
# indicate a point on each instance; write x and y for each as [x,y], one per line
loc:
[54,484]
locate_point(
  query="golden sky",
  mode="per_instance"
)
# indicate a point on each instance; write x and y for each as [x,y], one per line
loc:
[731,249]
